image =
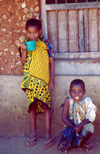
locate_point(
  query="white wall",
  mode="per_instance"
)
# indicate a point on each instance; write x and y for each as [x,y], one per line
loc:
[14,118]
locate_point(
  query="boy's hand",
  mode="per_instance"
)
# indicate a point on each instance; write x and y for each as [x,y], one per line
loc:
[77,128]
[51,85]
[80,126]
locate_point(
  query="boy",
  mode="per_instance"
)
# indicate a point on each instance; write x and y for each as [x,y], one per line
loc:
[79,112]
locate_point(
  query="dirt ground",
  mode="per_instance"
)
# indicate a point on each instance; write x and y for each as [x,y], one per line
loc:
[16,144]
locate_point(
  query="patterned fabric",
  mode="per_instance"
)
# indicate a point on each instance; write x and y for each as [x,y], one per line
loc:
[84,109]
[87,128]
[79,111]
[36,76]
[40,92]
[49,48]
[39,67]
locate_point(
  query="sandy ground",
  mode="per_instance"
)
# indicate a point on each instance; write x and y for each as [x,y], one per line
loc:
[16,144]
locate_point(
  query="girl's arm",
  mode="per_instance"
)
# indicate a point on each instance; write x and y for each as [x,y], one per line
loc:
[52,71]
[24,53]
[65,113]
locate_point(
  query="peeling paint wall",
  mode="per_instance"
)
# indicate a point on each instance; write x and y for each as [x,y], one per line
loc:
[13,16]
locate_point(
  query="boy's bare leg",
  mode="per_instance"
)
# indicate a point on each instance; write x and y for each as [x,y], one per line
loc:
[86,139]
[86,143]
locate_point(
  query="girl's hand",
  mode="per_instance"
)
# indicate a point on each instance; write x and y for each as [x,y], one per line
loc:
[51,85]
[22,45]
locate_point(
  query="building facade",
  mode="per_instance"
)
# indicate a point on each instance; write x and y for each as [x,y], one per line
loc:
[73,29]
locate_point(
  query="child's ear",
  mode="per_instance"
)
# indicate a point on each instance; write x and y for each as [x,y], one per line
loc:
[69,91]
[40,31]
[84,92]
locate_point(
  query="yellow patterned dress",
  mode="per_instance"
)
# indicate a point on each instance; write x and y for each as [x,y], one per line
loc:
[36,76]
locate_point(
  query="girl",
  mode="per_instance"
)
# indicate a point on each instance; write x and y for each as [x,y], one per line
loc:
[36,82]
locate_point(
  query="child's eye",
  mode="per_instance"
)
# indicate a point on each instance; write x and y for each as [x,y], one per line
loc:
[80,91]
[73,91]
[29,32]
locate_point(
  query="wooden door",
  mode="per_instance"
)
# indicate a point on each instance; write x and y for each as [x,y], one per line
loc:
[72,27]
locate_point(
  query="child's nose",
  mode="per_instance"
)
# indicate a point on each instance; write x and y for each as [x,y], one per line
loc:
[77,93]
[32,34]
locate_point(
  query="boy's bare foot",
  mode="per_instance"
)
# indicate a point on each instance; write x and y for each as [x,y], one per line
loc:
[87,146]
[67,149]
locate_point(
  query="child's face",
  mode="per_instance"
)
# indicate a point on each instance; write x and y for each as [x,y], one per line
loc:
[77,91]
[33,33]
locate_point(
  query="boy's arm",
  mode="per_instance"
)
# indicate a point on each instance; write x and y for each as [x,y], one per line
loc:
[80,126]
[65,113]
[52,71]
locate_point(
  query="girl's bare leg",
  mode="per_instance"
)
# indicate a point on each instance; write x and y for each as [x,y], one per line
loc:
[31,141]
[32,115]
[47,116]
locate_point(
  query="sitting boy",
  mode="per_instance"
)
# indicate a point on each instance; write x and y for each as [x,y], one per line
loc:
[80,112]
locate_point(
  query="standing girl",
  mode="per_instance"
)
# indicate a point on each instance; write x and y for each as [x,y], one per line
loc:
[36,81]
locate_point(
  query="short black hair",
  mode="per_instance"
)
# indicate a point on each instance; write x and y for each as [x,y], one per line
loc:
[33,22]
[78,81]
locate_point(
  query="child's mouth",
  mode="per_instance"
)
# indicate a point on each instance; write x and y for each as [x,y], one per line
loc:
[76,97]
